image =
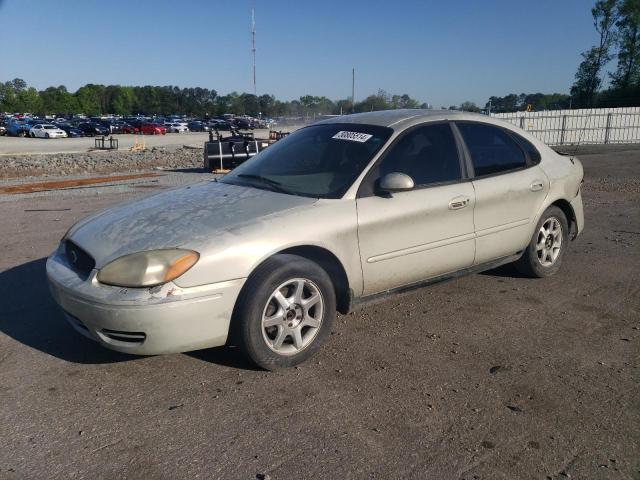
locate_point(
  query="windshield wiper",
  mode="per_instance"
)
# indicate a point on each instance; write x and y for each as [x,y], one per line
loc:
[276,186]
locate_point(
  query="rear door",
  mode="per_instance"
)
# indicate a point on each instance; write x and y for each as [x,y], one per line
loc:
[410,236]
[509,189]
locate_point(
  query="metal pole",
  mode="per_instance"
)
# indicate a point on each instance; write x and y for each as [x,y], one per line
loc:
[607,128]
[253,47]
[353,89]
[564,124]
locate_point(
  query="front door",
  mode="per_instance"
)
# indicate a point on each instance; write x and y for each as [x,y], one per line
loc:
[411,236]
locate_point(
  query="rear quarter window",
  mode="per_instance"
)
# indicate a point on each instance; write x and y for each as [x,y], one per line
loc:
[492,149]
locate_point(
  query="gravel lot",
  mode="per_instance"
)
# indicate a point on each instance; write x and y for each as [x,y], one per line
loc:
[491,376]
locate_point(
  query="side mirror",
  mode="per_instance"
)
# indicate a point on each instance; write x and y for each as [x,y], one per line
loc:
[395,182]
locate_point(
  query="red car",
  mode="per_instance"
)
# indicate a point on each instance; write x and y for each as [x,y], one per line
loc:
[153,129]
[129,129]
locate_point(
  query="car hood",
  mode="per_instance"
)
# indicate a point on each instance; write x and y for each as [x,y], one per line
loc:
[188,217]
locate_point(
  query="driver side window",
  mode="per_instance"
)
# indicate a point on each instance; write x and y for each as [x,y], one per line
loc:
[429,155]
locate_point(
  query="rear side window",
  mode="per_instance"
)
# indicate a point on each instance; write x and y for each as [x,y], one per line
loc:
[532,152]
[427,154]
[492,149]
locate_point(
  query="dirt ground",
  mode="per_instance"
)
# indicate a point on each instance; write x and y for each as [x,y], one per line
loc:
[491,376]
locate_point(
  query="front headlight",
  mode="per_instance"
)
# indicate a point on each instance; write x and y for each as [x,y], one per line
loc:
[147,269]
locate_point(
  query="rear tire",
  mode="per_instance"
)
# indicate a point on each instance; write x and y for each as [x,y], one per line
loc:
[544,254]
[285,312]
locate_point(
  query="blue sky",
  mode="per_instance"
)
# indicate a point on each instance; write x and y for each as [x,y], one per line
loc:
[440,52]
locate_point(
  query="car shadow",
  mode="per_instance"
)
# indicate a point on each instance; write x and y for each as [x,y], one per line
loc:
[29,315]
[227,356]
[508,270]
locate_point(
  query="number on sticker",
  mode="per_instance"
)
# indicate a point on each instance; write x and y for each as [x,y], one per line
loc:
[352,136]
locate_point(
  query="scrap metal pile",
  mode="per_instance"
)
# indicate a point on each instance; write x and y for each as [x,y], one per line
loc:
[222,154]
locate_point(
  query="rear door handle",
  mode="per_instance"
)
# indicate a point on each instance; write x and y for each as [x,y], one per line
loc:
[458,203]
[536,186]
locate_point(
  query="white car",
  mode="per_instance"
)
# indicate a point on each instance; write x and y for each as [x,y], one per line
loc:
[46,130]
[174,127]
[339,213]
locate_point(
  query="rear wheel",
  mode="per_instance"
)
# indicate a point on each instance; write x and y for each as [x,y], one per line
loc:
[285,312]
[545,251]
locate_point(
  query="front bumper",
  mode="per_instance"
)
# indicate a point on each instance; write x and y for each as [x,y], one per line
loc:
[143,321]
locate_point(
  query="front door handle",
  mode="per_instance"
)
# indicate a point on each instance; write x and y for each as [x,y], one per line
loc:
[459,202]
[536,186]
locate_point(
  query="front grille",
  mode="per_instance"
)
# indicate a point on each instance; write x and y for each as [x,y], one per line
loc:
[81,262]
[127,337]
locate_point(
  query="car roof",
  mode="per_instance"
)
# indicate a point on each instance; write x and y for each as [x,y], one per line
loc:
[402,118]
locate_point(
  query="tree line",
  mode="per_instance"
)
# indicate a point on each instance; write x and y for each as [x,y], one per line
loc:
[91,99]
[617,23]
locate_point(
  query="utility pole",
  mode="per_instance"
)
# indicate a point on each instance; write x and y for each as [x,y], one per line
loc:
[253,47]
[353,90]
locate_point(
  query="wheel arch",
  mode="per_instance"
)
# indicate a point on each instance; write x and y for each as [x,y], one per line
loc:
[567,209]
[329,262]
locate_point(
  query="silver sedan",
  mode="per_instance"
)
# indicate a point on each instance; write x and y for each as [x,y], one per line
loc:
[339,213]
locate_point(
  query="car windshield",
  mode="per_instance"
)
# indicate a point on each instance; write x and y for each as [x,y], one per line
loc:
[320,161]
[49,127]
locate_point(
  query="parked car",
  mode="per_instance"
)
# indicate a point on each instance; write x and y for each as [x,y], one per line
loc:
[126,128]
[197,126]
[339,213]
[72,131]
[153,129]
[19,128]
[217,124]
[175,127]
[91,129]
[119,127]
[46,130]
[243,123]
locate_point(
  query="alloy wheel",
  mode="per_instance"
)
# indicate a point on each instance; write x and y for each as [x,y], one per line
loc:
[549,241]
[292,316]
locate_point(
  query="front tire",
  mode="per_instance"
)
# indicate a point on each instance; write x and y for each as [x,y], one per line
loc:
[544,254]
[285,312]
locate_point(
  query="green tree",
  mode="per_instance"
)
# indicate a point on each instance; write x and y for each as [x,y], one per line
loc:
[58,100]
[7,97]
[587,79]
[28,100]
[628,69]
[469,107]
[91,99]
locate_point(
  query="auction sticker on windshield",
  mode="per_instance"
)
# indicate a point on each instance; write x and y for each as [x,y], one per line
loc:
[352,136]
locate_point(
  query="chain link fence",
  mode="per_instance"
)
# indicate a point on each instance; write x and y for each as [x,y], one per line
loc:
[581,126]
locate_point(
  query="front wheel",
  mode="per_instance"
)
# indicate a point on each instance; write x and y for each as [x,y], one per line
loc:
[285,312]
[545,251]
